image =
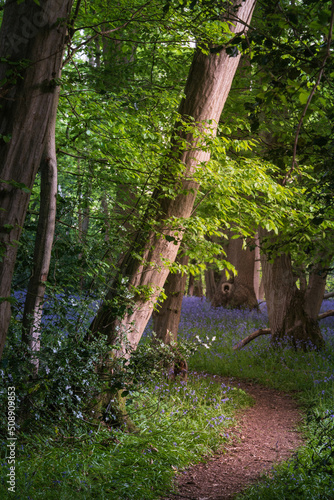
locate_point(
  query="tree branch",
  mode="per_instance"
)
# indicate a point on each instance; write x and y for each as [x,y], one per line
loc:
[252,336]
[326,314]
[267,331]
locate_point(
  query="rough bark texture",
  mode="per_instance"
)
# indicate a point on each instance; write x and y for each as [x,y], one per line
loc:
[209,81]
[29,32]
[314,293]
[33,306]
[167,318]
[291,314]
[238,291]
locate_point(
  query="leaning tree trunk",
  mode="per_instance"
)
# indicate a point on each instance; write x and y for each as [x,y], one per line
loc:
[32,39]
[292,318]
[32,314]
[207,88]
[238,291]
[167,318]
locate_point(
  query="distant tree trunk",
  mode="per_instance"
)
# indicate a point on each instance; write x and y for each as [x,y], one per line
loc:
[257,269]
[210,283]
[198,287]
[191,285]
[83,225]
[167,318]
[32,315]
[238,291]
[31,46]
[291,309]
[207,88]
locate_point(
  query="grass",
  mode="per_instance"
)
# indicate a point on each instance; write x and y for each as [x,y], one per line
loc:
[180,423]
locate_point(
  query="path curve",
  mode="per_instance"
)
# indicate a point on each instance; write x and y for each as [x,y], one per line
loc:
[265,434]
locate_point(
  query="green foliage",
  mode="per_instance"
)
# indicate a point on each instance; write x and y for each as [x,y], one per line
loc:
[177,423]
[67,380]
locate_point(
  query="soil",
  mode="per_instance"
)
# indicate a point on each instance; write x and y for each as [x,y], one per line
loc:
[264,435]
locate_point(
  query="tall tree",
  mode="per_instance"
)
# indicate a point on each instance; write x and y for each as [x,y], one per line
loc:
[208,84]
[293,312]
[166,318]
[32,39]
[32,314]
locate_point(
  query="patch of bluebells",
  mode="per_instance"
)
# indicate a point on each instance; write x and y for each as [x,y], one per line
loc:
[61,311]
[199,318]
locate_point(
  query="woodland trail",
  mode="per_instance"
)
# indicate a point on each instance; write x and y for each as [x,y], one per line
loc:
[265,434]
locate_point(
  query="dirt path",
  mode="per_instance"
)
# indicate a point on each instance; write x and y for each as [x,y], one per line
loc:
[266,434]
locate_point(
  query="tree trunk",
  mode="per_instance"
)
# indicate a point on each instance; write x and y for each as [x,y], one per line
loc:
[32,315]
[238,291]
[29,32]
[289,309]
[314,293]
[207,88]
[198,287]
[257,269]
[167,318]
[191,285]
[210,283]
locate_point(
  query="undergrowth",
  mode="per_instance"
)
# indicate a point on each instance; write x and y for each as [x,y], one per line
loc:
[178,423]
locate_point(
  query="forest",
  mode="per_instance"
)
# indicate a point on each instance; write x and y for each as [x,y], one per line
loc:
[166,238]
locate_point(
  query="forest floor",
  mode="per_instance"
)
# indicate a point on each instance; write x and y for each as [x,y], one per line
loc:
[264,435]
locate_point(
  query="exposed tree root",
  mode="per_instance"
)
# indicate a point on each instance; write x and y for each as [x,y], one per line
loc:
[267,331]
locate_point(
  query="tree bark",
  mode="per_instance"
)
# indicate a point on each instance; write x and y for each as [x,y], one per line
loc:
[33,33]
[167,318]
[291,315]
[32,314]
[314,293]
[210,283]
[191,285]
[207,88]
[257,270]
[238,291]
